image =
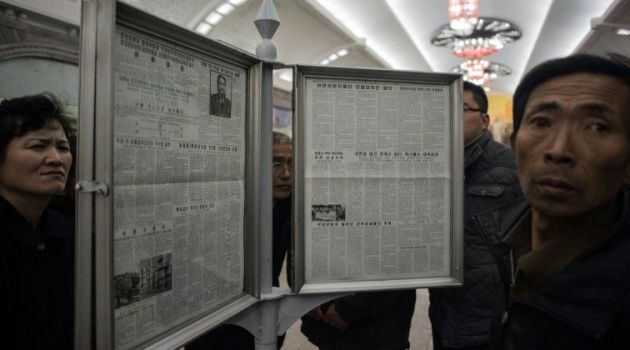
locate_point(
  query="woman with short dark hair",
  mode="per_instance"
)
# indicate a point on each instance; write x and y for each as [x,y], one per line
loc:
[36,243]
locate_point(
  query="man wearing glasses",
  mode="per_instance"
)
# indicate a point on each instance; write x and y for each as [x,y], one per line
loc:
[464,317]
[282,188]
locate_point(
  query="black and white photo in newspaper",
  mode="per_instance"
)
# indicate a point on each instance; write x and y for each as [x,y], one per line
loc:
[179,173]
[377,180]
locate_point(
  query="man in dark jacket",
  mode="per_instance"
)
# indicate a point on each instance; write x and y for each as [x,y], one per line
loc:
[461,317]
[282,179]
[571,250]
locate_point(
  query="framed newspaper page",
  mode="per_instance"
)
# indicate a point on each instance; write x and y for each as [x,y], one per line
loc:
[176,120]
[379,179]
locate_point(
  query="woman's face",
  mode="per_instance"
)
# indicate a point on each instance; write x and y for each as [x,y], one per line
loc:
[36,163]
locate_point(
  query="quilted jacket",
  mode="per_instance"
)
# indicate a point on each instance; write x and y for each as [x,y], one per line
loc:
[464,316]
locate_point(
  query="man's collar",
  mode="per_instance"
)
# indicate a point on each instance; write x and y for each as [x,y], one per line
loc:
[475,148]
[476,139]
[519,238]
[540,266]
[588,295]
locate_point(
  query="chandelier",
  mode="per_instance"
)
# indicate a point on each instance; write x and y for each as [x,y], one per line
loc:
[481,72]
[476,48]
[462,15]
[486,37]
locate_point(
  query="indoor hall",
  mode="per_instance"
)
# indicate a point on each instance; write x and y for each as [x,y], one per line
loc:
[143,250]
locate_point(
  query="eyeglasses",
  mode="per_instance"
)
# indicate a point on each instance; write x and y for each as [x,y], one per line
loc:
[281,167]
[468,109]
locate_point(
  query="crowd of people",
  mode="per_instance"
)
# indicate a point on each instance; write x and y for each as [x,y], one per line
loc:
[546,231]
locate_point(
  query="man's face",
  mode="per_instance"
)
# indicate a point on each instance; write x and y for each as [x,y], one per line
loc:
[282,170]
[573,146]
[221,85]
[474,121]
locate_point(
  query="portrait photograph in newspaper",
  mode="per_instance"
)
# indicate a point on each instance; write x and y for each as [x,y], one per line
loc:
[179,173]
[377,180]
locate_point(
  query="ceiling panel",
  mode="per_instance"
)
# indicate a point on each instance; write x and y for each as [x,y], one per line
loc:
[568,22]
[394,33]
[374,22]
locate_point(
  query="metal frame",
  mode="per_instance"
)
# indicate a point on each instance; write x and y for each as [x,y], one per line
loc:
[263,174]
[255,182]
[103,159]
[304,73]
[85,170]
[95,327]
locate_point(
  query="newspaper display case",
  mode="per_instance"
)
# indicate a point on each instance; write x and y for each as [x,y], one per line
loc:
[175,184]
[379,170]
[176,122]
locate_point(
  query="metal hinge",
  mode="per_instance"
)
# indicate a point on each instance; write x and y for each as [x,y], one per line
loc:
[92,186]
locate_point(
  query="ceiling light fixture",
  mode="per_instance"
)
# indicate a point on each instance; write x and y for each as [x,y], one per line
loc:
[481,72]
[486,38]
[463,15]
[225,9]
[203,28]
[476,48]
[214,18]
[334,56]
[217,15]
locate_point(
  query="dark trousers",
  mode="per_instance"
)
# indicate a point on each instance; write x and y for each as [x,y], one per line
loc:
[437,344]
[227,337]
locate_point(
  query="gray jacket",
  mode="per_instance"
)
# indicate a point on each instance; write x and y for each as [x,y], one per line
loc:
[464,316]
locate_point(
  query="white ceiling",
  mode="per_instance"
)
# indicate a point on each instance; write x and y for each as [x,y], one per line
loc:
[396,33]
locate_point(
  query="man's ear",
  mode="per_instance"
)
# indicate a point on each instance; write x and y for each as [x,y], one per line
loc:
[485,118]
[626,176]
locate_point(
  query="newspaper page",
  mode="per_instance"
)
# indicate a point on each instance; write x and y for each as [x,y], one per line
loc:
[179,155]
[377,180]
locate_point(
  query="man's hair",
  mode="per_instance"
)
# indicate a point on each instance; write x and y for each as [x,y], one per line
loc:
[281,139]
[21,115]
[478,94]
[579,63]
[221,77]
